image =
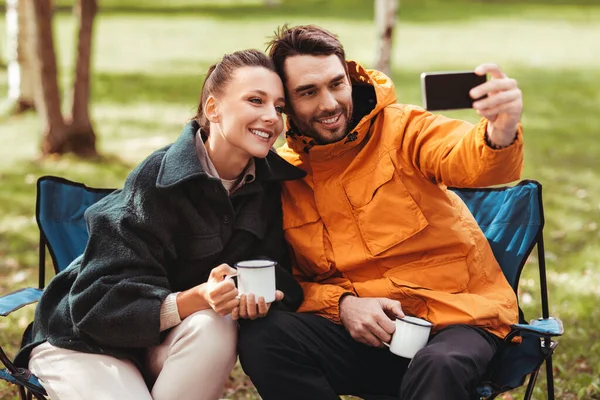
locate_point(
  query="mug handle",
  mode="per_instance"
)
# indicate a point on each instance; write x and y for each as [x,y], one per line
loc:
[386,343]
[230,276]
[234,282]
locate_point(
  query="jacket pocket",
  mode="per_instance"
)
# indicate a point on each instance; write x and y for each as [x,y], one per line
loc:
[198,246]
[448,276]
[380,196]
[303,229]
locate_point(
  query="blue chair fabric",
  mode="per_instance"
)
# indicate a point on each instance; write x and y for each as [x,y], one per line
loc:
[511,219]
[20,298]
[60,208]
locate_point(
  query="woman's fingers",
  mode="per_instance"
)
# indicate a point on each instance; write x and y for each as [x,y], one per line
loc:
[250,308]
[251,304]
[243,309]
[263,307]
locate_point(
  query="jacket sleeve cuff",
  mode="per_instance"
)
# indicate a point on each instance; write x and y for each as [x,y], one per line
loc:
[169,313]
[323,300]
[340,302]
[516,142]
[496,166]
[494,146]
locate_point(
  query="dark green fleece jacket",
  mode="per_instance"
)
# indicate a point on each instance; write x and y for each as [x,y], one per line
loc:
[162,233]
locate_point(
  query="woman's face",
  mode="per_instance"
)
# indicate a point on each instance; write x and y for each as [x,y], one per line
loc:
[247,116]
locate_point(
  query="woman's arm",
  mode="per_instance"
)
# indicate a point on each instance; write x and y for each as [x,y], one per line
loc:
[122,282]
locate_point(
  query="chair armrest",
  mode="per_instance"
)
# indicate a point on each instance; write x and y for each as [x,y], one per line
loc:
[25,378]
[15,300]
[542,327]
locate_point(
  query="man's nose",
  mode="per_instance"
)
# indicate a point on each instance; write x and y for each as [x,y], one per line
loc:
[328,102]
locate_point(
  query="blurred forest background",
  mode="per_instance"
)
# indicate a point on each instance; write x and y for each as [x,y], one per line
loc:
[126,77]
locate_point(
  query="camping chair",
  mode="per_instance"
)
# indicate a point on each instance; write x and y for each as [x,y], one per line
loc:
[60,205]
[512,219]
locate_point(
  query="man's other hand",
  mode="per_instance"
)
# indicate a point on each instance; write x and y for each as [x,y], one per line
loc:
[370,320]
[502,107]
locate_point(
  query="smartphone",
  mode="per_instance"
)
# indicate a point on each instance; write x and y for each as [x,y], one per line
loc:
[449,90]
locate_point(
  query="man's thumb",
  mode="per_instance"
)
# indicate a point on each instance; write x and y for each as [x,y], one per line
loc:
[393,307]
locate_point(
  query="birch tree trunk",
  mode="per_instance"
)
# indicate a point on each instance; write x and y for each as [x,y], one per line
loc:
[47,98]
[81,136]
[385,20]
[19,68]
[12,34]
[26,99]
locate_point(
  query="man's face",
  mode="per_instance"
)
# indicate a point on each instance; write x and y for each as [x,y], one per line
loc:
[319,96]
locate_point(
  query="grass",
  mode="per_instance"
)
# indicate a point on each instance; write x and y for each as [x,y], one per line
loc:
[149,61]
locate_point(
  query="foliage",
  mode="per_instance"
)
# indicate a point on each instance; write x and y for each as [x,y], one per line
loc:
[149,62]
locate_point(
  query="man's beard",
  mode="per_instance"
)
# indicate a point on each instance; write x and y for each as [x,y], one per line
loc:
[322,135]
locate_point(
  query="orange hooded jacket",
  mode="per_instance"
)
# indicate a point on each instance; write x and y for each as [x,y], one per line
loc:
[373,216]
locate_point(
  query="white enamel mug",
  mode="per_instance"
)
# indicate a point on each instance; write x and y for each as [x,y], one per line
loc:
[411,335]
[256,277]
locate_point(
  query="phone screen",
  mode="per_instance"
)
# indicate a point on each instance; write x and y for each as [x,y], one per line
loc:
[449,90]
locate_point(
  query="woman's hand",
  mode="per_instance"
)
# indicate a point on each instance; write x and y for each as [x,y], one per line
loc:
[250,308]
[220,293]
[217,293]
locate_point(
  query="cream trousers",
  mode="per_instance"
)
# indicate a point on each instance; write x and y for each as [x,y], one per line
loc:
[193,362]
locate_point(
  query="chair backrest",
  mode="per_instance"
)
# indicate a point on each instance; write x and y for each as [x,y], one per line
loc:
[60,211]
[511,218]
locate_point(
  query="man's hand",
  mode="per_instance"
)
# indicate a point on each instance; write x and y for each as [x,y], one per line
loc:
[251,309]
[502,107]
[369,320]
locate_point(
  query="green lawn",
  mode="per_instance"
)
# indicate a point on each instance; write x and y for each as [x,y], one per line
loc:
[149,60]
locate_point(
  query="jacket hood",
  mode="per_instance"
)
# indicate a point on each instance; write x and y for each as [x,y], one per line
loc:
[372,90]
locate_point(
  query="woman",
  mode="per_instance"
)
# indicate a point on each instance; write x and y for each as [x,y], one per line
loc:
[147,305]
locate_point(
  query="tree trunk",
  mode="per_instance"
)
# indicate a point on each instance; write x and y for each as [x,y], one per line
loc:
[20,69]
[26,100]
[47,98]
[12,33]
[385,19]
[82,139]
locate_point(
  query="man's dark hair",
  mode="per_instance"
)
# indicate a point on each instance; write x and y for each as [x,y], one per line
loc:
[309,40]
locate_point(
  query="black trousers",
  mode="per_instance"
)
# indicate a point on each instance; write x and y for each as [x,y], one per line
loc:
[303,356]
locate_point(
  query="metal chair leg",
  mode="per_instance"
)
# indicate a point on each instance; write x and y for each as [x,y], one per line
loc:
[38,396]
[531,385]
[550,378]
[22,393]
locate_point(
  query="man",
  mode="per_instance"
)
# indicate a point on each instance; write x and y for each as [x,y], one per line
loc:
[376,235]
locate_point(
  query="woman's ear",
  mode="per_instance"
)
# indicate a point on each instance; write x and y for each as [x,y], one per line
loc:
[211,110]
